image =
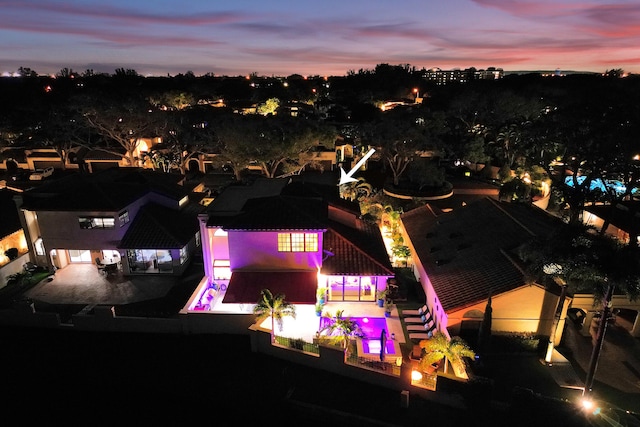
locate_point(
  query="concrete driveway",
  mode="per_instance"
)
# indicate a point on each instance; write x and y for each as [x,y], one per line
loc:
[619,362]
[84,284]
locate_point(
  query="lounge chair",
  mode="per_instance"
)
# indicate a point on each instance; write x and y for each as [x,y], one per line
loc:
[419,312]
[421,328]
[418,320]
[420,336]
[423,335]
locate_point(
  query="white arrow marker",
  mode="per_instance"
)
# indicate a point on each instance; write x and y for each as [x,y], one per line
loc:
[347,177]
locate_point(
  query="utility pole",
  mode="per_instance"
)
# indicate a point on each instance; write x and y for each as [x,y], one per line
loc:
[597,348]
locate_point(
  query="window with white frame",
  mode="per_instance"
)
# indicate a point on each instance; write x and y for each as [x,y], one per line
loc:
[38,245]
[297,242]
[89,222]
[123,217]
[183,254]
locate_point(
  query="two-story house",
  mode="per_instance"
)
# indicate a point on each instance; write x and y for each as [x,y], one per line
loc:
[293,238]
[141,221]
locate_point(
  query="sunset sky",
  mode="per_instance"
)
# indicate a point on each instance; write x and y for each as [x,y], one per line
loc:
[330,37]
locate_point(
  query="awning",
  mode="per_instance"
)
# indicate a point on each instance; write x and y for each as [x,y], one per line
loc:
[298,287]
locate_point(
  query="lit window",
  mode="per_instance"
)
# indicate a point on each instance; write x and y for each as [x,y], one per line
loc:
[39,246]
[297,242]
[96,222]
[124,218]
[284,242]
[221,269]
[183,254]
[311,242]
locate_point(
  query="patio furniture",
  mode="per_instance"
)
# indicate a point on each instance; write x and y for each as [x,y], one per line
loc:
[418,320]
[102,268]
[422,327]
[417,336]
[419,312]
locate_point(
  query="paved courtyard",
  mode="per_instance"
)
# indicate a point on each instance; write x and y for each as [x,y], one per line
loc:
[84,284]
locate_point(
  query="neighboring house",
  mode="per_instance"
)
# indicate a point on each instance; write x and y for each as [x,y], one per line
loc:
[140,220]
[464,256]
[623,219]
[13,245]
[292,238]
[97,160]
[623,223]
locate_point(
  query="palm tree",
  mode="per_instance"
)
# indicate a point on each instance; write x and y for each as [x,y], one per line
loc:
[340,329]
[273,306]
[439,347]
[356,190]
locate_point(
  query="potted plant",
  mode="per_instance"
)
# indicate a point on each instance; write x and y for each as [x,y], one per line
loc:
[321,295]
[388,307]
[382,296]
[319,309]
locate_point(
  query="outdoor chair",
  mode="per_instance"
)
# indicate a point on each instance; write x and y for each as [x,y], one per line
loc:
[101,267]
[418,320]
[418,336]
[419,312]
[421,327]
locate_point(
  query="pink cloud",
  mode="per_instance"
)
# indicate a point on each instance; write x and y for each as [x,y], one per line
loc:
[533,9]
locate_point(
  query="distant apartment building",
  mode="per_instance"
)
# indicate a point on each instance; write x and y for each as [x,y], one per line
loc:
[457,75]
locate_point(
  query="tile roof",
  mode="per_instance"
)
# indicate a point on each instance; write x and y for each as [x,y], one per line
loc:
[624,215]
[280,213]
[234,197]
[110,190]
[10,220]
[159,227]
[98,154]
[468,253]
[355,251]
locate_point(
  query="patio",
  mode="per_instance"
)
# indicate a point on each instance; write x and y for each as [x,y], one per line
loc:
[83,283]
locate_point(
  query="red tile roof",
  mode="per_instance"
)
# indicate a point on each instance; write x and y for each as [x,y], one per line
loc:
[158,227]
[356,251]
[468,254]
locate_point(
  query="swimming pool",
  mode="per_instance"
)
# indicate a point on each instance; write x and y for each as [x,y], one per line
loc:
[371,328]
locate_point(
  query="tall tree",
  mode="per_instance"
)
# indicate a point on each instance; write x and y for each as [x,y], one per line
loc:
[124,122]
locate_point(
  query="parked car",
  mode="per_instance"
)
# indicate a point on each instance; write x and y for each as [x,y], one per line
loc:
[576,315]
[40,174]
